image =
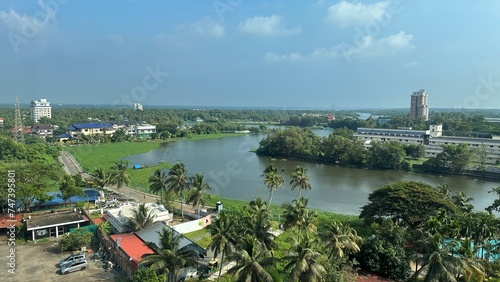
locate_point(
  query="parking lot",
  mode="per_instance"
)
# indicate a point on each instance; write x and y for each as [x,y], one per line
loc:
[38,262]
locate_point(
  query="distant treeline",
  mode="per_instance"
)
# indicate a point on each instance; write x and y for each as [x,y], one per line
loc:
[340,148]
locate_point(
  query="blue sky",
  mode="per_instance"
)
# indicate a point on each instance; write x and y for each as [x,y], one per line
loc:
[251,53]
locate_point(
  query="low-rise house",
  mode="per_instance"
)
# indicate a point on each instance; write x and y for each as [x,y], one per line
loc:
[118,217]
[43,131]
[132,247]
[142,131]
[78,129]
[53,224]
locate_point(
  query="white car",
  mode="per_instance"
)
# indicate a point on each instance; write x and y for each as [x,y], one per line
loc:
[74,266]
[71,258]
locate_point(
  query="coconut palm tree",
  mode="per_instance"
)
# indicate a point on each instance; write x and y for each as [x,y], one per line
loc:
[223,237]
[340,239]
[158,182]
[168,258]
[142,218]
[300,179]
[177,183]
[296,215]
[304,262]
[250,262]
[438,264]
[273,180]
[198,194]
[119,175]
[257,223]
[100,178]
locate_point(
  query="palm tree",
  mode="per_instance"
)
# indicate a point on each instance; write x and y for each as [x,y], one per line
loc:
[305,262]
[100,178]
[223,236]
[438,263]
[177,183]
[142,218]
[198,194]
[296,215]
[250,262]
[168,258]
[258,224]
[300,179]
[158,182]
[340,239]
[119,175]
[463,202]
[273,180]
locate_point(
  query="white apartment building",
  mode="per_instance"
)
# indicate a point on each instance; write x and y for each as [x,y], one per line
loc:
[143,130]
[40,108]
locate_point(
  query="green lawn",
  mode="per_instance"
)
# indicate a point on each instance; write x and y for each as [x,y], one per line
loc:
[201,237]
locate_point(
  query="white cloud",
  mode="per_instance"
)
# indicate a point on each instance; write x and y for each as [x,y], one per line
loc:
[267,26]
[367,47]
[411,64]
[355,14]
[27,24]
[115,38]
[208,28]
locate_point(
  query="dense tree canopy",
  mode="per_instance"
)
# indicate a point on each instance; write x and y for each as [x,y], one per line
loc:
[410,202]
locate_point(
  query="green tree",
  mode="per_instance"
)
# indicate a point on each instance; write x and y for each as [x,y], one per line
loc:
[438,262]
[198,194]
[69,189]
[257,223]
[147,275]
[273,180]
[177,183]
[106,227]
[384,253]
[158,182]
[304,262]
[142,218]
[296,215]
[100,178]
[340,239]
[251,261]
[119,175]
[168,258]
[79,238]
[300,179]
[222,232]
[386,155]
[408,201]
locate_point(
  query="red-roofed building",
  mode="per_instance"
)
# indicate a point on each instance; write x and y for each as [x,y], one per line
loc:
[7,221]
[132,246]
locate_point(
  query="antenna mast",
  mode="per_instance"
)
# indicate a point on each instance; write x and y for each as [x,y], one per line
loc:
[18,123]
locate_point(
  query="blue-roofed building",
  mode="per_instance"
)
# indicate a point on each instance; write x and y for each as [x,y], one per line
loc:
[78,129]
[65,138]
[91,195]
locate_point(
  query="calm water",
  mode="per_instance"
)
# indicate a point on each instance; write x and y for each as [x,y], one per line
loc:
[234,172]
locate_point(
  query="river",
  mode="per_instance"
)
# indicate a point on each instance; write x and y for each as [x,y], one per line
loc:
[234,172]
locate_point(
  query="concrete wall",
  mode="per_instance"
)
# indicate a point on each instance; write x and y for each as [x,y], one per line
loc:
[193,225]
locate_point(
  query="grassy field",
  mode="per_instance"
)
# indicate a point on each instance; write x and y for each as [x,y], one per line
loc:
[92,157]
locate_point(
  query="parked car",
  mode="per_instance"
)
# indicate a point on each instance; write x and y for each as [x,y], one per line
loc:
[74,266]
[71,258]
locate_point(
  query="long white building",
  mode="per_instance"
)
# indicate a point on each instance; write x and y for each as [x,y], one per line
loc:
[432,139]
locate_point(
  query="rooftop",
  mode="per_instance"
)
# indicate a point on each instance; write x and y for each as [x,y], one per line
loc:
[133,246]
[89,126]
[53,219]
